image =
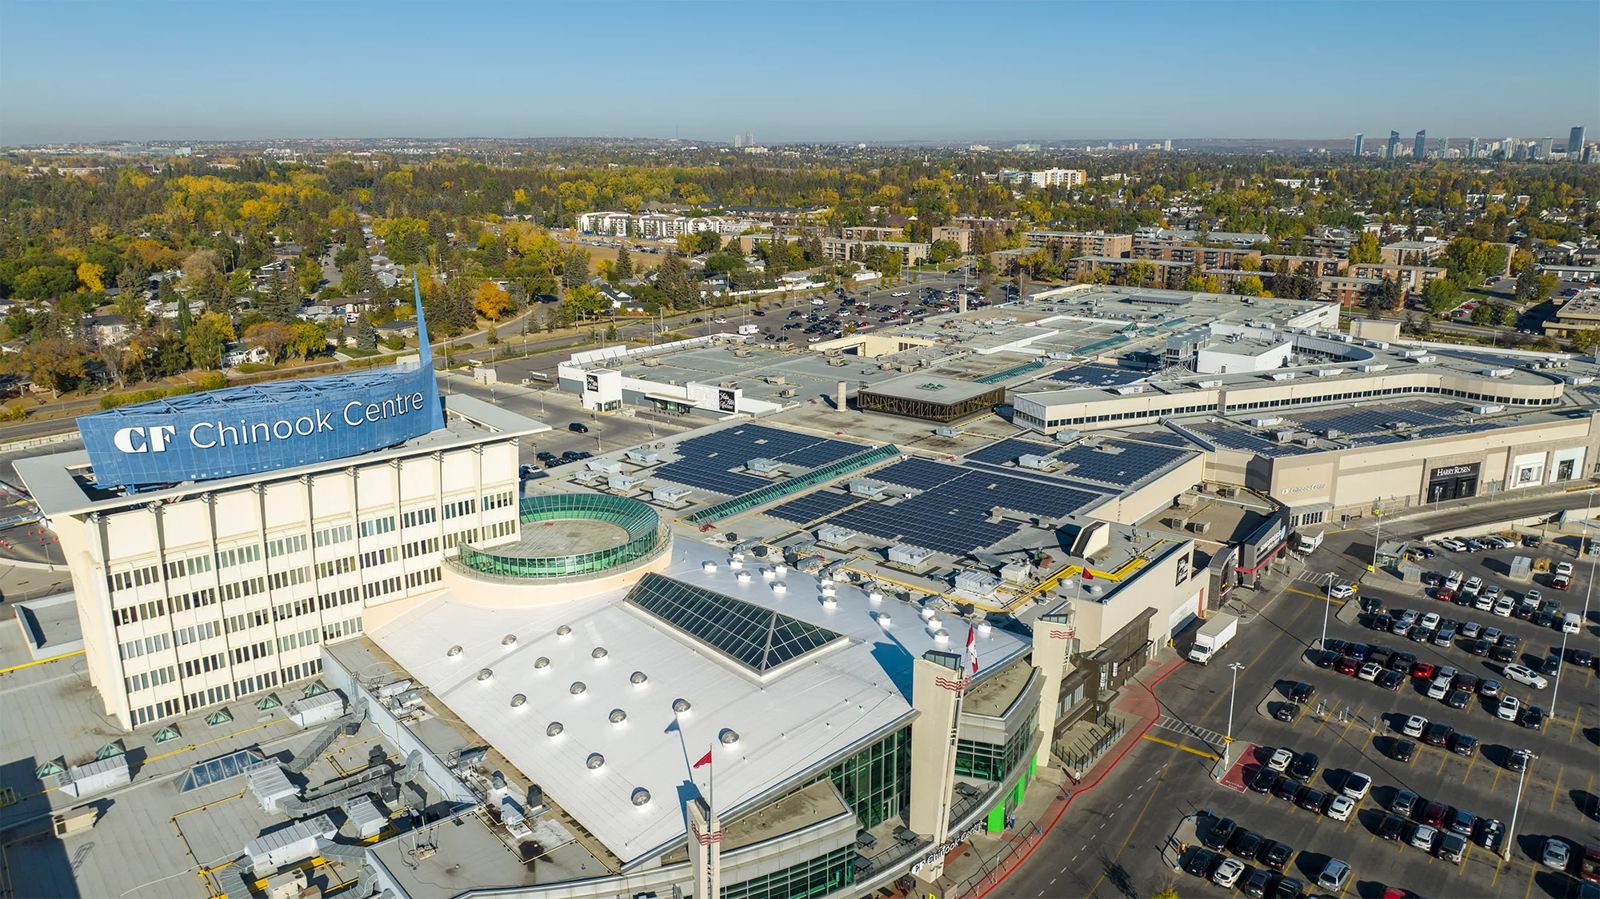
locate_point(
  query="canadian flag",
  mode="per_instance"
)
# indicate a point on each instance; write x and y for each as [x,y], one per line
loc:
[972,652]
[1088,575]
[704,760]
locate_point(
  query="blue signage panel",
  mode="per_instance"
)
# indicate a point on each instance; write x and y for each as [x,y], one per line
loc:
[244,430]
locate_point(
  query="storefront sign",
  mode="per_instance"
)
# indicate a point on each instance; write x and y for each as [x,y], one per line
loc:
[938,852]
[1453,471]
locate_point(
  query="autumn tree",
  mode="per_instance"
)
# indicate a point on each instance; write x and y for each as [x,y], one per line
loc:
[491,300]
[1585,341]
[1365,249]
[203,280]
[306,339]
[270,336]
[55,364]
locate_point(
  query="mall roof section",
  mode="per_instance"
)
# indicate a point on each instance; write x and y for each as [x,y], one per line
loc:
[62,483]
[614,677]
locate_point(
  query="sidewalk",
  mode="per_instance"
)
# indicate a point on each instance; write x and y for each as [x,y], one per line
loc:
[990,859]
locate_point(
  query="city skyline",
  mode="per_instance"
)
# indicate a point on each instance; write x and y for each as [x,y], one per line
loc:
[508,72]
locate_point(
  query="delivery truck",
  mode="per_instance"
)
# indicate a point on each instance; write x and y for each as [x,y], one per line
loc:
[1308,541]
[1213,635]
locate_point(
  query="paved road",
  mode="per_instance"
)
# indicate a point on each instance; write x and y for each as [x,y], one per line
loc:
[1110,841]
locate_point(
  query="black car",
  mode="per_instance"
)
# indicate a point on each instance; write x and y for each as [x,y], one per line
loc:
[1390,680]
[1464,744]
[1462,822]
[1437,734]
[1457,699]
[1583,658]
[1287,789]
[1479,647]
[1257,884]
[1511,641]
[1491,833]
[1402,661]
[1543,619]
[1246,843]
[1285,712]
[1533,718]
[1275,855]
[1517,759]
[1502,654]
[1304,766]
[1402,750]
[1288,888]
[1311,800]
[1302,692]
[1323,658]
[1337,647]
[1551,664]
[578,427]
[1219,833]
[1467,682]
[1264,780]
[1381,623]
[1390,827]
[544,455]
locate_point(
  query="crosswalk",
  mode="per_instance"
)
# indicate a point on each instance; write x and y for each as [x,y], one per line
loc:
[1203,734]
[1317,578]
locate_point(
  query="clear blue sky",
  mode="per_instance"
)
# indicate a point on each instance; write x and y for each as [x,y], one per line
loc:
[794,71]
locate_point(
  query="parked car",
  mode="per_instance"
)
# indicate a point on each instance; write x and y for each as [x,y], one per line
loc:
[1390,827]
[1414,725]
[1200,862]
[1491,833]
[1340,807]
[1433,813]
[1461,821]
[1556,854]
[1522,674]
[1245,843]
[1355,785]
[1276,855]
[1264,780]
[1287,789]
[1451,848]
[1438,734]
[578,427]
[1532,718]
[1227,873]
[1403,802]
[1508,709]
[1305,766]
[1333,876]
[1301,692]
[1518,759]
[1280,759]
[1464,744]
[1403,750]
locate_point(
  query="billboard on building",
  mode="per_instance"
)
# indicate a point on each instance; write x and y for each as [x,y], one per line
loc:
[266,427]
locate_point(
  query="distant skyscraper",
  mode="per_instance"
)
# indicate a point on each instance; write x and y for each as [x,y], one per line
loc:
[1419,147]
[1393,150]
[1509,148]
[738,141]
[1444,147]
[1472,149]
[1360,140]
[1575,141]
[1166,145]
[1547,148]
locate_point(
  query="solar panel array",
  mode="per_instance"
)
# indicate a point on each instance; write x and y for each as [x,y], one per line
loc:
[1230,437]
[1376,421]
[951,513]
[1130,464]
[1165,438]
[813,507]
[756,637]
[1098,376]
[707,462]
[1009,449]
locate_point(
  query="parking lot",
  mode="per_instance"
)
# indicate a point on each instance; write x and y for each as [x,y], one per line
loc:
[1354,724]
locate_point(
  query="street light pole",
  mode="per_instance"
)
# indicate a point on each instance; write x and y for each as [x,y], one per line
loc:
[1511,832]
[1327,600]
[1377,537]
[1227,740]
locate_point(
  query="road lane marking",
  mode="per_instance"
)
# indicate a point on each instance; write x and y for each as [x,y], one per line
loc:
[1555,788]
[1200,752]
[1473,763]
[1576,714]
[1532,870]
[1116,857]
[1332,602]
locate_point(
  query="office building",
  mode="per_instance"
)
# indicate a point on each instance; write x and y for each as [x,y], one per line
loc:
[1392,150]
[1575,142]
[1360,139]
[1419,147]
[1547,149]
[1472,149]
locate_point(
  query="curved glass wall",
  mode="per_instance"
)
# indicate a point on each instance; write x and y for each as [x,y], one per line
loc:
[641,523]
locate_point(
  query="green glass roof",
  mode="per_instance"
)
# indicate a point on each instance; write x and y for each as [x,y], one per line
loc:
[756,637]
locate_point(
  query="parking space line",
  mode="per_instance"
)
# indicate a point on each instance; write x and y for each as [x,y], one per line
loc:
[1532,870]
[1496,782]
[1444,759]
[1333,602]
[1555,788]
[1498,864]
[1577,712]
[1471,764]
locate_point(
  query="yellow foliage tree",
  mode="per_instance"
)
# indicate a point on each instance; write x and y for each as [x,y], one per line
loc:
[91,277]
[491,300]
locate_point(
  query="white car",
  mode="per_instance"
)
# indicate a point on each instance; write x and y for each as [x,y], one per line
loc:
[1370,671]
[1424,837]
[1227,873]
[1492,591]
[1534,596]
[1454,546]
[1414,726]
[1439,689]
[1508,708]
[1473,584]
[1503,607]
[1356,786]
[1564,568]
[1454,580]
[1430,621]
[1340,807]
[1524,675]
[1556,854]
[1484,602]
[1341,591]
[1280,760]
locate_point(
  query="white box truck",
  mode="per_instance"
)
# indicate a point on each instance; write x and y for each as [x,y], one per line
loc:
[1213,635]
[1308,541]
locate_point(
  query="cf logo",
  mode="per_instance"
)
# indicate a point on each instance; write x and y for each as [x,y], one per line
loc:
[143,440]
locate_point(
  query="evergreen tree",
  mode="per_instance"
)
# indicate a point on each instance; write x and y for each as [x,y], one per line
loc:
[575,269]
[366,334]
[622,269]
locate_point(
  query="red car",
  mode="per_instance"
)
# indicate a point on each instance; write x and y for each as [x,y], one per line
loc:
[1423,670]
[1444,594]
[1347,665]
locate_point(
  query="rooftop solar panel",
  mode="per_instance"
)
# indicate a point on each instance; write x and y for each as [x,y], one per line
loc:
[1098,376]
[1009,449]
[812,507]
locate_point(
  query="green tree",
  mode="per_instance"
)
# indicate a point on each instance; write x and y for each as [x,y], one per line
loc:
[575,268]
[1527,283]
[622,269]
[280,300]
[366,334]
[1365,250]
[1441,295]
[672,279]
[207,338]
[1586,341]
[1250,286]
[55,364]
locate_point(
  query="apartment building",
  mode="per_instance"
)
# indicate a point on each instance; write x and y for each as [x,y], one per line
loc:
[961,237]
[1082,243]
[840,249]
[1198,256]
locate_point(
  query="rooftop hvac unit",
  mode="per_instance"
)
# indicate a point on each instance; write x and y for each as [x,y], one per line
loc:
[650,362]
[1497,372]
[1327,372]
[776,379]
[1266,422]
[1282,376]
[1067,435]
[1308,440]
[832,535]
[864,487]
[669,493]
[608,466]
[622,481]
[763,466]
[1423,359]
[788,392]
[291,844]
[1283,436]
[906,554]
[1371,367]
[1488,409]
[1129,389]
[947,431]
[315,710]
[642,456]
[1332,433]
[1035,462]
[1413,354]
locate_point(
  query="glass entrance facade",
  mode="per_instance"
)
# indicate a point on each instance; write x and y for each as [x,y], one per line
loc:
[991,761]
[876,782]
[817,877]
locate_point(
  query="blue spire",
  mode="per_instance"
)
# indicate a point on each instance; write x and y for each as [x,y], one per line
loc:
[425,354]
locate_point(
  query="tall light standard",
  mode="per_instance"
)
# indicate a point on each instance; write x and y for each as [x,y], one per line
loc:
[1327,601]
[1227,740]
[1377,537]
[1511,832]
